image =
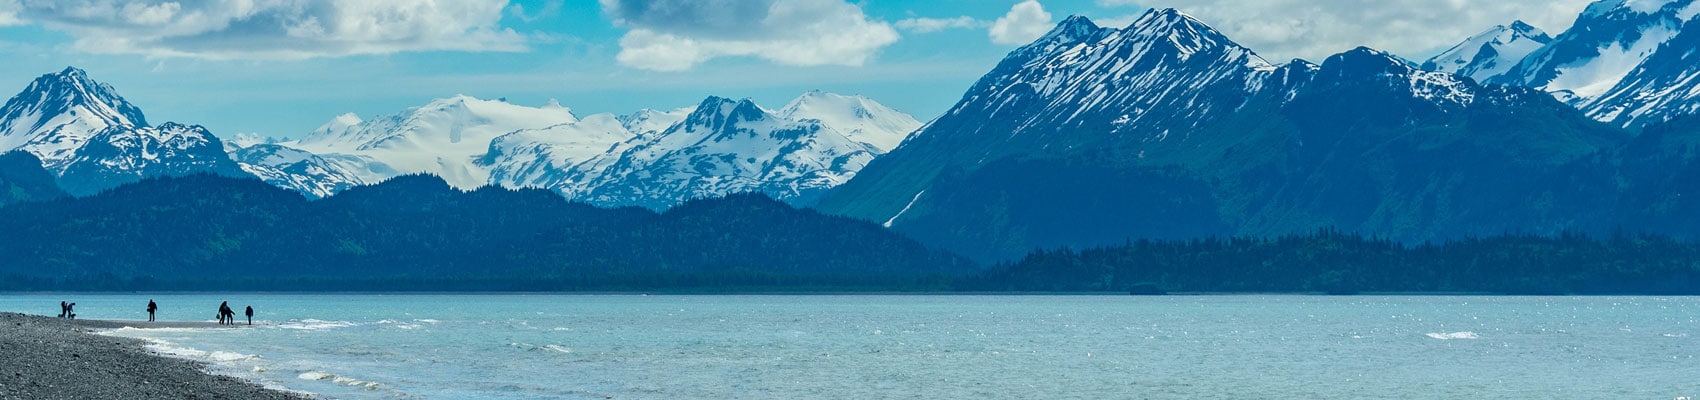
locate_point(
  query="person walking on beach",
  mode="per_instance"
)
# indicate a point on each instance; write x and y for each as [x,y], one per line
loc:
[71,311]
[224,314]
[250,312]
[64,309]
[151,308]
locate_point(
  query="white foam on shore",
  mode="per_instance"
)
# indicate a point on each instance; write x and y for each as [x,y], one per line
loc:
[223,363]
[1453,335]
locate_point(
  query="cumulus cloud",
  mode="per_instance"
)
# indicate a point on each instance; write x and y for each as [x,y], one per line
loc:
[271,29]
[1025,22]
[929,25]
[676,35]
[1315,29]
[9,13]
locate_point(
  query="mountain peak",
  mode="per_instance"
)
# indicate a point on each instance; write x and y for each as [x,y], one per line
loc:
[73,72]
[62,109]
[1524,27]
[1490,53]
[1074,29]
[1364,61]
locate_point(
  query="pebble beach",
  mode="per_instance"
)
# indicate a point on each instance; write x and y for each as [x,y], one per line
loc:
[46,358]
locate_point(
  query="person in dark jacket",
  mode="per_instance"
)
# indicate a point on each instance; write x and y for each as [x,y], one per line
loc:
[151,308]
[250,312]
[225,315]
[64,309]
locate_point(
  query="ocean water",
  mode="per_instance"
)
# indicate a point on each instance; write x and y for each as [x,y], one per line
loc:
[932,347]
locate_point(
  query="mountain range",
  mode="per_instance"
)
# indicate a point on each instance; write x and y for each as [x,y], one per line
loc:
[1090,135]
[1169,129]
[648,158]
[91,139]
[1623,62]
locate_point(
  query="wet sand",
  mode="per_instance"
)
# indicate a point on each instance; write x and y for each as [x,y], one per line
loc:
[50,358]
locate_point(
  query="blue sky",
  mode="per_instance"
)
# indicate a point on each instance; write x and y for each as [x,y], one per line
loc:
[283,67]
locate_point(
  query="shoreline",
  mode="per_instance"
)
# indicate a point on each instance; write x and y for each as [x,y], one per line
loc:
[54,358]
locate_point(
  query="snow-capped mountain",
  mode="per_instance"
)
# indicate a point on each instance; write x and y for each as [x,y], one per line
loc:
[1600,65]
[540,157]
[724,146]
[1490,53]
[92,139]
[445,137]
[290,168]
[60,112]
[856,117]
[1169,129]
[650,158]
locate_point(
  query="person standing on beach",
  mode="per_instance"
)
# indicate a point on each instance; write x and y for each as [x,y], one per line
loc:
[151,308]
[64,309]
[250,312]
[224,313]
[71,311]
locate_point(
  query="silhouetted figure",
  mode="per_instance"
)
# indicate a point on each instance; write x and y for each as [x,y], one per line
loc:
[225,315]
[71,311]
[151,308]
[64,308]
[250,312]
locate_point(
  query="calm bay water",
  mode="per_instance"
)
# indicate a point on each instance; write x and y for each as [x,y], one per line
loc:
[932,347]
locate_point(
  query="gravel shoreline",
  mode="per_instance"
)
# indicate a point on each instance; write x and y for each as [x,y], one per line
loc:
[43,358]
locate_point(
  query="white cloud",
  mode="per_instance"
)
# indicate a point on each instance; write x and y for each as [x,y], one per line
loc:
[1025,22]
[929,25]
[1315,29]
[550,9]
[9,13]
[676,35]
[271,29]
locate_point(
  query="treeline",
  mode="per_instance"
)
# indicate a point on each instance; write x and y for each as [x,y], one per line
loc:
[1330,261]
[418,233]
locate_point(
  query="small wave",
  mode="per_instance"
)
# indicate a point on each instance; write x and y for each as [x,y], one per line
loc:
[548,347]
[314,324]
[129,331]
[338,379]
[1453,335]
[428,321]
[1675,335]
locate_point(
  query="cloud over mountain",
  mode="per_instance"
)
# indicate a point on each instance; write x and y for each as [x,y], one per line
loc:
[676,35]
[1314,29]
[270,29]
[1025,21]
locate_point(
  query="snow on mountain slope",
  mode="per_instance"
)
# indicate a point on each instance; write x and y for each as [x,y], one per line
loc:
[1490,53]
[650,158]
[1665,86]
[537,157]
[299,170]
[444,137]
[92,139]
[1608,42]
[855,116]
[649,122]
[729,146]
[59,112]
[1165,90]
[123,154]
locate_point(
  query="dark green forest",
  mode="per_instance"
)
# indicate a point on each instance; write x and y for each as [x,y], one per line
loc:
[1329,261]
[418,233]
